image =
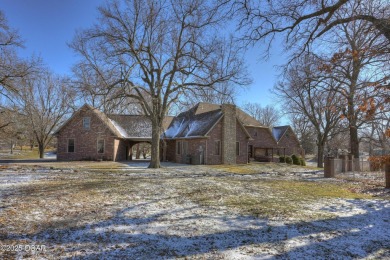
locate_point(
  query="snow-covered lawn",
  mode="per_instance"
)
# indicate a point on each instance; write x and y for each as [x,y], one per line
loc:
[250,212]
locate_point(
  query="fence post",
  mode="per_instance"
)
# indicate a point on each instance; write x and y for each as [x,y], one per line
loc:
[343,163]
[329,167]
[387,175]
[350,163]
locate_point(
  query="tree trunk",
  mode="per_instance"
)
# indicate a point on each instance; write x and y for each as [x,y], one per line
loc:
[320,150]
[354,146]
[354,141]
[155,153]
[387,175]
[41,149]
[320,155]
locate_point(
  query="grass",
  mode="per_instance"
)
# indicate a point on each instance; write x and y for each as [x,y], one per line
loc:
[67,199]
[25,153]
[272,198]
[254,168]
[63,204]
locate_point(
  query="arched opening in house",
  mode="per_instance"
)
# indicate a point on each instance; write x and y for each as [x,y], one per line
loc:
[140,150]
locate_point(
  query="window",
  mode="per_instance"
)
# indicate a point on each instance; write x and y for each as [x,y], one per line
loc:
[178,147]
[86,122]
[255,133]
[218,147]
[237,148]
[100,146]
[70,145]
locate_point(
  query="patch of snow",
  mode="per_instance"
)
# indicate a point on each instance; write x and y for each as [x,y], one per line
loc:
[158,223]
[122,131]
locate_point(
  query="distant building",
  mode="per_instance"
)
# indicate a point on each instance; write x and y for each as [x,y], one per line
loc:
[205,134]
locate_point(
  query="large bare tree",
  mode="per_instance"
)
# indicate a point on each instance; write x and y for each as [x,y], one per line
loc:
[305,91]
[267,115]
[12,68]
[360,66]
[160,49]
[303,21]
[305,131]
[44,100]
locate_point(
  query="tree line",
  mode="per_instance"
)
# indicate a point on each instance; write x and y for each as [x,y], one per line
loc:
[158,57]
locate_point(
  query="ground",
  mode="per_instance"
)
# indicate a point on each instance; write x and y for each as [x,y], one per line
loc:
[105,210]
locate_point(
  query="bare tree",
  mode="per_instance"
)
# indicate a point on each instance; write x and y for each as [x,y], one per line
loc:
[93,88]
[267,116]
[305,92]
[303,21]
[359,67]
[220,94]
[305,132]
[45,100]
[12,67]
[161,50]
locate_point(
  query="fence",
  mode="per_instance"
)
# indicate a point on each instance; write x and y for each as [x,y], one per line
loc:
[345,163]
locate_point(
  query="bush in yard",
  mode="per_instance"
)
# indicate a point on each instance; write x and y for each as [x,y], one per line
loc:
[282,159]
[289,160]
[295,160]
[302,161]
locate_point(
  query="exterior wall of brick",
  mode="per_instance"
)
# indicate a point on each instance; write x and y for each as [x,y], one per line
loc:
[291,144]
[192,151]
[262,137]
[214,135]
[85,140]
[229,134]
[243,141]
[120,149]
[202,150]
[170,150]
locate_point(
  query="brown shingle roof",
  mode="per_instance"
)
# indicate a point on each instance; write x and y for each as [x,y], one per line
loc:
[135,126]
[200,119]
[192,124]
[245,119]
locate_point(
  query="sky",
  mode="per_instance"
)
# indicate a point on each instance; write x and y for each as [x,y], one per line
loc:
[48,25]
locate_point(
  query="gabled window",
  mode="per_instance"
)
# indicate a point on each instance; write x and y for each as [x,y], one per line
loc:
[70,145]
[100,146]
[178,147]
[217,150]
[237,148]
[86,122]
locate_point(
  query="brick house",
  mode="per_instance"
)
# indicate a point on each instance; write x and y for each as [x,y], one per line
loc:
[205,134]
[92,135]
[288,142]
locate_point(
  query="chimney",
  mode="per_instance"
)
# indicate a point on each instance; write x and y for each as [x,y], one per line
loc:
[229,134]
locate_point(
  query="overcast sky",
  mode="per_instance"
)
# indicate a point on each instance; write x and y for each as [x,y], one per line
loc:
[48,25]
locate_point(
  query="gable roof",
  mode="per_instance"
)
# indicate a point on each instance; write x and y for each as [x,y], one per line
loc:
[123,126]
[201,119]
[279,131]
[135,126]
[191,124]
[98,114]
[245,118]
